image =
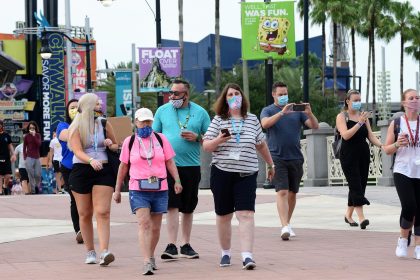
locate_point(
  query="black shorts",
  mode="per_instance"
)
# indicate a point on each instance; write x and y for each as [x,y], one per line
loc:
[56,166]
[65,173]
[187,200]
[83,177]
[288,174]
[23,174]
[5,167]
[233,191]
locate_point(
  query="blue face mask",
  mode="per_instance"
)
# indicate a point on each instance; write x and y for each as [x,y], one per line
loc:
[144,132]
[283,100]
[356,106]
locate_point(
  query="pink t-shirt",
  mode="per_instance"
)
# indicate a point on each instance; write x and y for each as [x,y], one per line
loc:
[140,168]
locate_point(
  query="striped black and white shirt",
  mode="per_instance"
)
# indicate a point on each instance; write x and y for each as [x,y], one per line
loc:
[251,134]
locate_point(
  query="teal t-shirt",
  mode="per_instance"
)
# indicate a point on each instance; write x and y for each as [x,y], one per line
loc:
[168,121]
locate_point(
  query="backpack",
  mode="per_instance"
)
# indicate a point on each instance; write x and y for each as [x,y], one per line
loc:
[336,145]
[397,127]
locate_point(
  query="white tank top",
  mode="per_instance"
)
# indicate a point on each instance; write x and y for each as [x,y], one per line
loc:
[406,156]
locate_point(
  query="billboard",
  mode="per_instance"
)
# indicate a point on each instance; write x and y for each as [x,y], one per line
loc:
[123,95]
[53,88]
[158,67]
[268,30]
[100,94]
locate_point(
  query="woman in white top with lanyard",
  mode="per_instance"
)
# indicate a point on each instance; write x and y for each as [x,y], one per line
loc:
[406,148]
[234,137]
[92,179]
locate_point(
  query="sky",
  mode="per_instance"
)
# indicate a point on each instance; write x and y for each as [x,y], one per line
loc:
[117,27]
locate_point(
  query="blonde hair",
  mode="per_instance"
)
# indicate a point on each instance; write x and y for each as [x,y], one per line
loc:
[83,121]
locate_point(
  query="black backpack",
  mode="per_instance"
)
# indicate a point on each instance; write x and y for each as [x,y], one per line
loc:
[397,126]
[336,145]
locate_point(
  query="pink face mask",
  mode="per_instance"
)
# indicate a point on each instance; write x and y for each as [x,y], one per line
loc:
[413,105]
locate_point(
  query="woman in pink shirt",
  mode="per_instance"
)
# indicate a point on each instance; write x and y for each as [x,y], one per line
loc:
[145,156]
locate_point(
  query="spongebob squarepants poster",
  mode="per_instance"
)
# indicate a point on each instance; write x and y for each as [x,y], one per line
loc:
[268,30]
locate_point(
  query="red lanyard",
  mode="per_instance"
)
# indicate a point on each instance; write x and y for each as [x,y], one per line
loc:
[414,141]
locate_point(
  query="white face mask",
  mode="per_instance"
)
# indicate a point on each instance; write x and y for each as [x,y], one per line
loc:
[177,103]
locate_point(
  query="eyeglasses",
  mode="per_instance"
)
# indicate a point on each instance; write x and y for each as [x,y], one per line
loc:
[176,93]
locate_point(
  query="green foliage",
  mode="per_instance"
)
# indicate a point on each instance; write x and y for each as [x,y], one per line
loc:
[289,72]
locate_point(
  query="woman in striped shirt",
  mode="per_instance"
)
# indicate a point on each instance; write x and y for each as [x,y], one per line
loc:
[234,137]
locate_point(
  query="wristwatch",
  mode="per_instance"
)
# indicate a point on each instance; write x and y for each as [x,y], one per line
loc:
[270,166]
[198,139]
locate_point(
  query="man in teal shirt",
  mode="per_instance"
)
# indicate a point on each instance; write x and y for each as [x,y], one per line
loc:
[183,122]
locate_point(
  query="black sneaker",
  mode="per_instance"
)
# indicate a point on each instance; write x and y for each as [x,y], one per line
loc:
[188,252]
[170,253]
[225,261]
[249,264]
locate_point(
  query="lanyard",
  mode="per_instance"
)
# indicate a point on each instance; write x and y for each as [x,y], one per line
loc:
[187,118]
[413,141]
[95,139]
[237,132]
[149,155]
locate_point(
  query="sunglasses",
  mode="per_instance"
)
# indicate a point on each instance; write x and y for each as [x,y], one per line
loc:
[176,93]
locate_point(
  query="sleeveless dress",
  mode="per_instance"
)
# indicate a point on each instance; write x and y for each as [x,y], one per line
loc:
[355,160]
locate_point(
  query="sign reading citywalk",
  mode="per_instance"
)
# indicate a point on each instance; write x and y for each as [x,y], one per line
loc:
[268,30]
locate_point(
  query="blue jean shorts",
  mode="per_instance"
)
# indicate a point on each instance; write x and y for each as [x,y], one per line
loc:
[157,202]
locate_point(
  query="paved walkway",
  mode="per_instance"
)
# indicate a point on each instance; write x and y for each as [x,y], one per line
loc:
[37,241]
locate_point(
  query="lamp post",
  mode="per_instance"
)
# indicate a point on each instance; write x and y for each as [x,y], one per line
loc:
[46,52]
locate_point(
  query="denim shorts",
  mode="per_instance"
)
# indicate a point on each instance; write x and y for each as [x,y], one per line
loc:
[157,202]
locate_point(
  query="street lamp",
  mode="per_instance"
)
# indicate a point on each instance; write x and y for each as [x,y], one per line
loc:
[46,52]
[106,3]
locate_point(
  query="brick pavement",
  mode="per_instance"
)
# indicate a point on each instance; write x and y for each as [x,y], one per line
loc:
[325,248]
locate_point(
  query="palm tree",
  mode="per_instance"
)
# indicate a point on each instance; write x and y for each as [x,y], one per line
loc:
[181,34]
[218,75]
[398,22]
[414,48]
[319,17]
[371,16]
[352,22]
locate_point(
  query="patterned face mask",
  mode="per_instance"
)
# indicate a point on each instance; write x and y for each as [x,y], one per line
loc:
[72,113]
[235,102]
[177,103]
[144,132]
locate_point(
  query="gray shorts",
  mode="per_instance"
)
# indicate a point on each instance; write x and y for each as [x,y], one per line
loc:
[288,175]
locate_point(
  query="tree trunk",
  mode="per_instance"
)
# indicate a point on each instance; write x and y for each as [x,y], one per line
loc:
[323,60]
[218,75]
[373,79]
[402,65]
[181,34]
[368,71]
[335,57]
[353,52]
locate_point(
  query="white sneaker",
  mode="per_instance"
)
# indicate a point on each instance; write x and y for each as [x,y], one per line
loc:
[106,258]
[292,233]
[401,250]
[285,233]
[90,257]
[417,252]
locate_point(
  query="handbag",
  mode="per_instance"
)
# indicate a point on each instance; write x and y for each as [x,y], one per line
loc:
[338,140]
[149,185]
[113,157]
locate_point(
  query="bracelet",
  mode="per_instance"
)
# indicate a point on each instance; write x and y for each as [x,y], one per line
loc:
[90,160]
[178,181]
[281,114]
[360,124]
[271,166]
[396,145]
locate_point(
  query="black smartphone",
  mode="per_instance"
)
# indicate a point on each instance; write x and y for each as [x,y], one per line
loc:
[225,132]
[299,107]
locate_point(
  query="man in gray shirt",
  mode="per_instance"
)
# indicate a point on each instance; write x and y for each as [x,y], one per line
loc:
[283,123]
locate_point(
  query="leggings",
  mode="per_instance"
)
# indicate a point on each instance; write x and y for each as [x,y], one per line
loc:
[408,190]
[73,207]
[33,167]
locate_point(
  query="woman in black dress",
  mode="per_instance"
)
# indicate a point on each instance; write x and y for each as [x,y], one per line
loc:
[354,128]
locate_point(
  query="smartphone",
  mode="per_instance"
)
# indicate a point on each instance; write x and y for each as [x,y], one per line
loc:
[299,107]
[225,132]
